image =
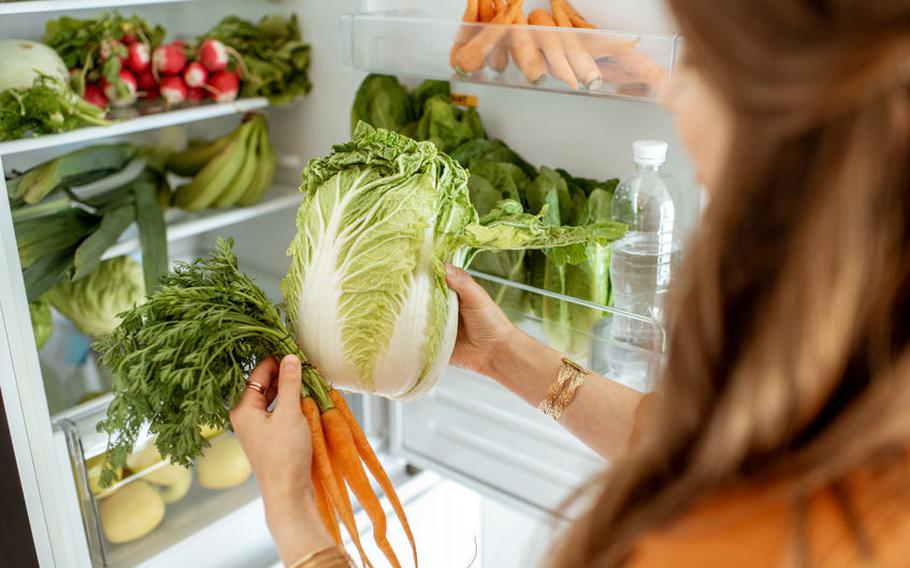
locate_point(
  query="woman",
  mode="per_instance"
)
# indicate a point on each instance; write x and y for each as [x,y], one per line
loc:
[780,432]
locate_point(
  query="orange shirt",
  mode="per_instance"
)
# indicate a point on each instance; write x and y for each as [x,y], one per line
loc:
[758,527]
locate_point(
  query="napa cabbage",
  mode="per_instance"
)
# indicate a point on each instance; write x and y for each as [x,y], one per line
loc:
[366,296]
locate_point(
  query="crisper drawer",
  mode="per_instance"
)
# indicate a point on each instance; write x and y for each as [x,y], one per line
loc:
[156,506]
[471,429]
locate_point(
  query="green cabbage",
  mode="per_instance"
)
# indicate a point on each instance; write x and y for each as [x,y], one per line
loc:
[92,303]
[42,321]
[366,294]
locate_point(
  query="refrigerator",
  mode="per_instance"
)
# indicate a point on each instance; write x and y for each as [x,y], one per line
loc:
[484,476]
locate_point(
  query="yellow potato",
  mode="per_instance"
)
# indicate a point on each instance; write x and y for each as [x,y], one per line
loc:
[94,466]
[224,465]
[132,512]
[177,491]
[147,457]
[208,432]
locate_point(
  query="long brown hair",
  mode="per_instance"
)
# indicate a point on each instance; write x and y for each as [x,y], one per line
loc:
[790,340]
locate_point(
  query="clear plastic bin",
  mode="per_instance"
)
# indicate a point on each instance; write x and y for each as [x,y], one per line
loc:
[155,504]
[617,64]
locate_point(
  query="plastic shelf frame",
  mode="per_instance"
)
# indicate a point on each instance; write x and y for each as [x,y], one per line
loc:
[626,65]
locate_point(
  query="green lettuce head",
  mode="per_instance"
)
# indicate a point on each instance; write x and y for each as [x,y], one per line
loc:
[42,321]
[92,303]
[366,294]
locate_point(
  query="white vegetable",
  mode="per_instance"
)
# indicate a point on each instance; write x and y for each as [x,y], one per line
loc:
[132,512]
[23,59]
[178,490]
[167,475]
[366,293]
[224,465]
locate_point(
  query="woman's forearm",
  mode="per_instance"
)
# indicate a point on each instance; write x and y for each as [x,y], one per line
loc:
[601,415]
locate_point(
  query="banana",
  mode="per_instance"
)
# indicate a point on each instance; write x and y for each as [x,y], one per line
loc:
[217,175]
[239,185]
[265,172]
[191,161]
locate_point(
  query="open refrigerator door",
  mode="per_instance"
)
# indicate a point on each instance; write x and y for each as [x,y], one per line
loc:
[469,448]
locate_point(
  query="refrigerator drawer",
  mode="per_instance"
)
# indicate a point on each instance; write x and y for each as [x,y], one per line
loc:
[473,430]
[155,505]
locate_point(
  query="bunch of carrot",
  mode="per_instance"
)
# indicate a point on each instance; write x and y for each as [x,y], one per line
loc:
[575,59]
[340,450]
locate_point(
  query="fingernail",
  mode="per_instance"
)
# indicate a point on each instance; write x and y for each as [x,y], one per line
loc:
[450,271]
[290,363]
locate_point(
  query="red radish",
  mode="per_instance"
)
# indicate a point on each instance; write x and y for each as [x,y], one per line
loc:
[129,38]
[94,95]
[169,58]
[110,90]
[213,55]
[152,93]
[225,85]
[173,89]
[195,95]
[138,59]
[195,74]
[146,81]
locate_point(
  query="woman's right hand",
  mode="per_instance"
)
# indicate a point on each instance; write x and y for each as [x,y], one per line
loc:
[483,327]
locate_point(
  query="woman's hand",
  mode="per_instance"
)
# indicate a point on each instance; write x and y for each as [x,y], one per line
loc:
[483,327]
[280,450]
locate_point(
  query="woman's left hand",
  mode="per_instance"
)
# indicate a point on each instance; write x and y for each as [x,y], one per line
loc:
[280,451]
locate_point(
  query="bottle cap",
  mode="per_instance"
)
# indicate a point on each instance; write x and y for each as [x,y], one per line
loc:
[650,152]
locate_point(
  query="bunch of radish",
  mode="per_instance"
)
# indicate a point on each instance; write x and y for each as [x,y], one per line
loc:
[167,73]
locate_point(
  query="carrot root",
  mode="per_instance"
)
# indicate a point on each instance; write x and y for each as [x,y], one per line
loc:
[326,512]
[471,15]
[498,59]
[323,464]
[552,49]
[346,460]
[577,19]
[471,57]
[373,464]
[646,69]
[582,63]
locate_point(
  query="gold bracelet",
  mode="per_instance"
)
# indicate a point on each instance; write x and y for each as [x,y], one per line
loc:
[562,391]
[328,557]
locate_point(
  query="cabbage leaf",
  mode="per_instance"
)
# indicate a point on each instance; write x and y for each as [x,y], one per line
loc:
[366,295]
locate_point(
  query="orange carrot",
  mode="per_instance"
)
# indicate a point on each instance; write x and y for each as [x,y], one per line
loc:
[470,58]
[580,60]
[526,55]
[646,69]
[372,462]
[552,49]
[346,461]
[471,15]
[325,509]
[498,59]
[323,464]
[487,10]
[577,20]
[613,73]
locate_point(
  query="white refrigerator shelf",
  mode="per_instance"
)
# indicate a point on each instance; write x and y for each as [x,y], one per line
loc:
[141,123]
[9,8]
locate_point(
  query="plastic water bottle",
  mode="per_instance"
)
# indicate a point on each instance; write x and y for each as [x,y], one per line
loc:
[642,263]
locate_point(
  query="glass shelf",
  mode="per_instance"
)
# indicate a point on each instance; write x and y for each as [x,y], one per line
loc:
[621,345]
[618,64]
